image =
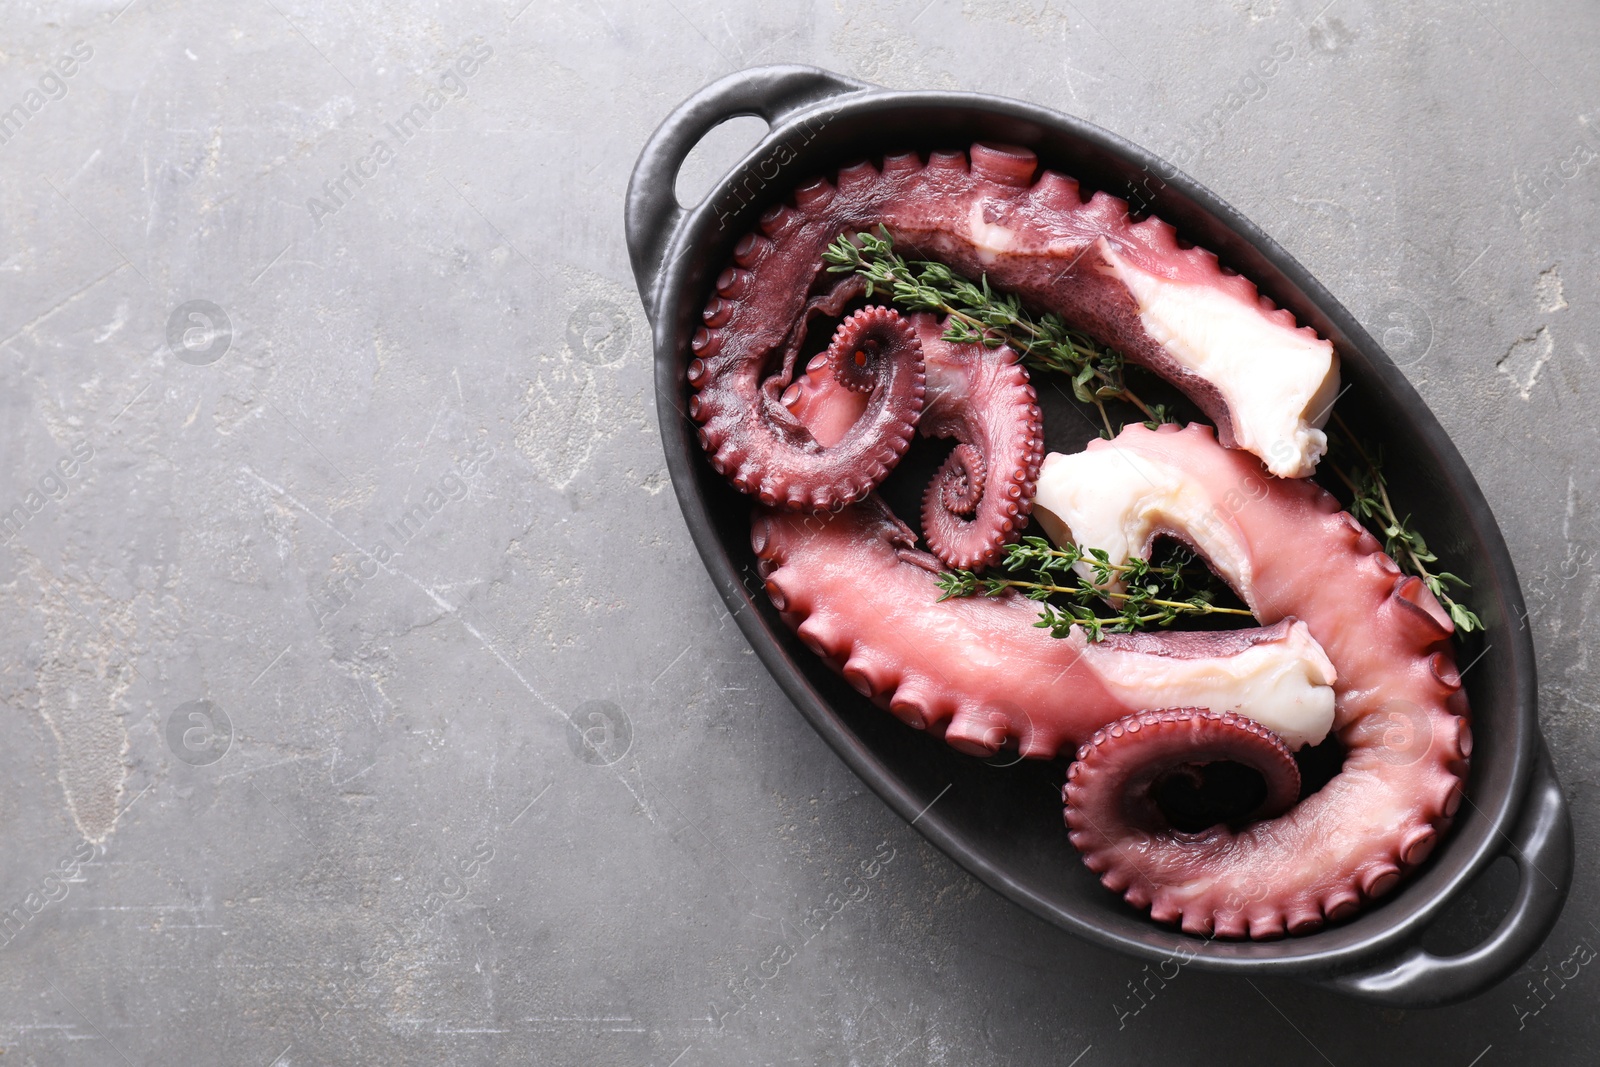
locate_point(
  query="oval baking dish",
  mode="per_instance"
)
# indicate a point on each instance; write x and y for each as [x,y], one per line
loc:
[998,822]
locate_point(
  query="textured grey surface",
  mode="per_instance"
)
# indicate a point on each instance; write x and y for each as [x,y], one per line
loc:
[408,512]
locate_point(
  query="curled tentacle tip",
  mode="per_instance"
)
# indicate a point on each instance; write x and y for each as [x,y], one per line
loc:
[1110,791]
[960,480]
[863,342]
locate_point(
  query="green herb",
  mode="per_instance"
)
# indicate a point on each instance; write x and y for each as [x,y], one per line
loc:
[1150,595]
[975,314]
[1371,504]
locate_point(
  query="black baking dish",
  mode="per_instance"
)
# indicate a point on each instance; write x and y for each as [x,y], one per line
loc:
[1000,823]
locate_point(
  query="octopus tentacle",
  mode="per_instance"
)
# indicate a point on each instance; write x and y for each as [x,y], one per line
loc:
[980,500]
[769,453]
[1267,383]
[1110,794]
[979,673]
[958,487]
[1111,789]
[1399,713]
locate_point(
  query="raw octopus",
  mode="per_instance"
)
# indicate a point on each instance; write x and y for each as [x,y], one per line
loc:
[1349,643]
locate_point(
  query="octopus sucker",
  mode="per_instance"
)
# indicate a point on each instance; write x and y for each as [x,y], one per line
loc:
[853,178]
[776,221]
[910,707]
[1418,845]
[1378,881]
[983,662]
[1341,905]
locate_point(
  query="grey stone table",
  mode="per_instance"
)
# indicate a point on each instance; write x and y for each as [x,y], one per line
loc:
[333,488]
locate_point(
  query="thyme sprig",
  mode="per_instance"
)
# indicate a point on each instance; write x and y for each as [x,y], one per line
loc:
[1150,594]
[977,315]
[1371,504]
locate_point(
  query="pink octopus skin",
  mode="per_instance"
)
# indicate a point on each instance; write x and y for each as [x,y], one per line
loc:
[1399,713]
[980,500]
[1061,254]
[975,671]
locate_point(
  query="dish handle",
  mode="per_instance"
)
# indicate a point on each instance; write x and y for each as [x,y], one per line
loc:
[1541,846]
[652,211]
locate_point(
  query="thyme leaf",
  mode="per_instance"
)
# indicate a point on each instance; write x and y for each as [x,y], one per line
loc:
[1405,545]
[1143,594]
